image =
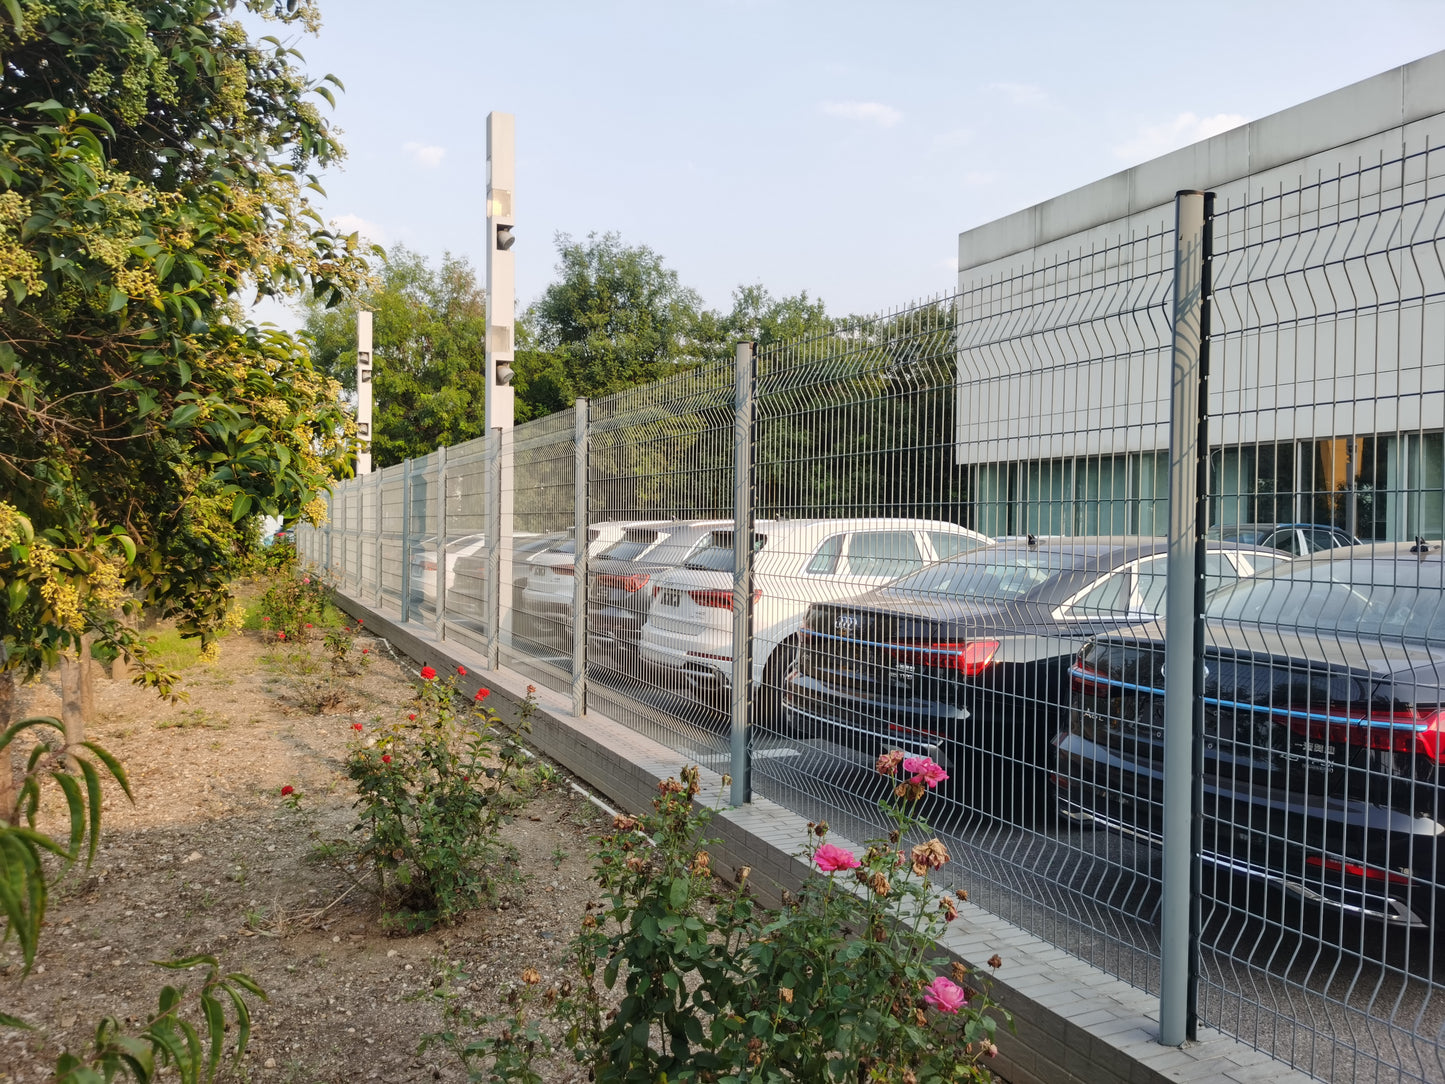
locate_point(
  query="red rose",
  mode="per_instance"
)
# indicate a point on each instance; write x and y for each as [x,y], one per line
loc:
[287,789]
[265,619]
[427,673]
[280,635]
[482,694]
[386,758]
[412,715]
[462,670]
[366,651]
[355,726]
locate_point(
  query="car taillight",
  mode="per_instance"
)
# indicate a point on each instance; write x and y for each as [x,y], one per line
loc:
[1415,731]
[1086,679]
[1370,873]
[969,658]
[428,564]
[631,584]
[722,600]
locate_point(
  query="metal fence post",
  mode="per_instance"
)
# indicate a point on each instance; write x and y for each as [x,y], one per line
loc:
[441,594]
[380,512]
[579,587]
[742,698]
[406,496]
[494,549]
[1184,629]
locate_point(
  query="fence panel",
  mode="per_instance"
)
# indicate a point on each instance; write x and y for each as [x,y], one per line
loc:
[958,526]
[660,489]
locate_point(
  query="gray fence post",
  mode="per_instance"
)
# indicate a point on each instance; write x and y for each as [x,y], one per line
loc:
[441,599]
[1184,630]
[377,503]
[494,549]
[742,698]
[579,586]
[406,497]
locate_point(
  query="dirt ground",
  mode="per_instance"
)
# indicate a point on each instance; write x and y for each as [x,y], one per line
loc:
[211,859]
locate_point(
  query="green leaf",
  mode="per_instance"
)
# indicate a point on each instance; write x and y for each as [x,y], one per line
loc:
[12,8]
[677,895]
[118,300]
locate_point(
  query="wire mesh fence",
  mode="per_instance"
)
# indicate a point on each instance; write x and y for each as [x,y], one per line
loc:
[960,539]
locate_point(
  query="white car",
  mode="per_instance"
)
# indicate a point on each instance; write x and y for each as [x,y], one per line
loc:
[544,610]
[688,636]
[424,565]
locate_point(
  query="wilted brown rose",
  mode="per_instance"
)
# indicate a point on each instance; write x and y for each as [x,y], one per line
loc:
[995,961]
[623,823]
[959,972]
[531,977]
[699,864]
[962,894]
[879,884]
[786,993]
[635,864]
[949,908]
[930,855]
[888,762]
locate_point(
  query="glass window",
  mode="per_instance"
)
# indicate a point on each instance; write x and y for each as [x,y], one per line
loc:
[888,554]
[632,545]
[1110,598]
[717,555]
[951,545]
[968,577]
[825,561]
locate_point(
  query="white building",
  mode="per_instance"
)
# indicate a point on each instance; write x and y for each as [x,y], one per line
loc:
[1327,368]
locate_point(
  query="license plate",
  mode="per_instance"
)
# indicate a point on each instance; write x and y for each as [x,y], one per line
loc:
[669,597]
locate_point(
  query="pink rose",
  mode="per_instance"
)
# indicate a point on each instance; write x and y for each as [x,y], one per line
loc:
[924,770]
[945,995]
[829,858]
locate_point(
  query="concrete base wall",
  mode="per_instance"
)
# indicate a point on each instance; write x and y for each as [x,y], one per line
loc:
[1074,1023]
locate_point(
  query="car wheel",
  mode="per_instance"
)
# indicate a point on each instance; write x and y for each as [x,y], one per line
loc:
[770,694]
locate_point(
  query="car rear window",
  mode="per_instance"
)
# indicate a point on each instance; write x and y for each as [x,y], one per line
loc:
[1010,577]
[632,545]
[717,555]
[1352,598]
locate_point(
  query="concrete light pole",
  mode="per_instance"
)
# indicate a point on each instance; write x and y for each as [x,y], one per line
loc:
[363,391]
[501,318]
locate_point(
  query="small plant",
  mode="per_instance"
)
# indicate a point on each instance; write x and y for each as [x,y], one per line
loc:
[434,790]
[169,1038]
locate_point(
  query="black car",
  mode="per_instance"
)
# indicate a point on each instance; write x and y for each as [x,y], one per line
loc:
[1324,734]
[622,581]
[967,660]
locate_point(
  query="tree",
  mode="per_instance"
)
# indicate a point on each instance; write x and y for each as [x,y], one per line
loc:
[428,350]
[153,170]
[615,318]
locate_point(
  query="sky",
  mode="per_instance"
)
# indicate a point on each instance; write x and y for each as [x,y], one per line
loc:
[837,148]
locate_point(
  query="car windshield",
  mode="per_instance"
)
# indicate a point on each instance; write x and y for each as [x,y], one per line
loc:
[1248,535]
[1003,577]
[1362,597]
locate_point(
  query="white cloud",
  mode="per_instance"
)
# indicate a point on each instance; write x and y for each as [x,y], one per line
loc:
[1156,139]
[1021,93]
[979,177]
[369,231]
[424,155]
[885,116]
[950,265]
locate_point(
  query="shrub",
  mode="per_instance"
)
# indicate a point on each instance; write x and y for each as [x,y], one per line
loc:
[842,984]
[433,791]
[293,606]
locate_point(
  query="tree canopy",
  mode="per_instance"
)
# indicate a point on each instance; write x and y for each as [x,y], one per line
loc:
[428,351]
[153,174]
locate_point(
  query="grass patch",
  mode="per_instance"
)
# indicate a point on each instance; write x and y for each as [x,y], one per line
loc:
[171,651]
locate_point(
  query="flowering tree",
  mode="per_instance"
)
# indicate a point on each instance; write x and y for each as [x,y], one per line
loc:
[153,171]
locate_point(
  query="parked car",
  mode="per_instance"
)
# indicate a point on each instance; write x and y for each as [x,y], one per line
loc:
[688,635]
[623,579]
[967,661]
[547,598]
[1298,539]
[1324,733]
[467,591]
[424,565]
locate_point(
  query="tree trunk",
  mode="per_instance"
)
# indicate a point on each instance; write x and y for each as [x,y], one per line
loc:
[72,697]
